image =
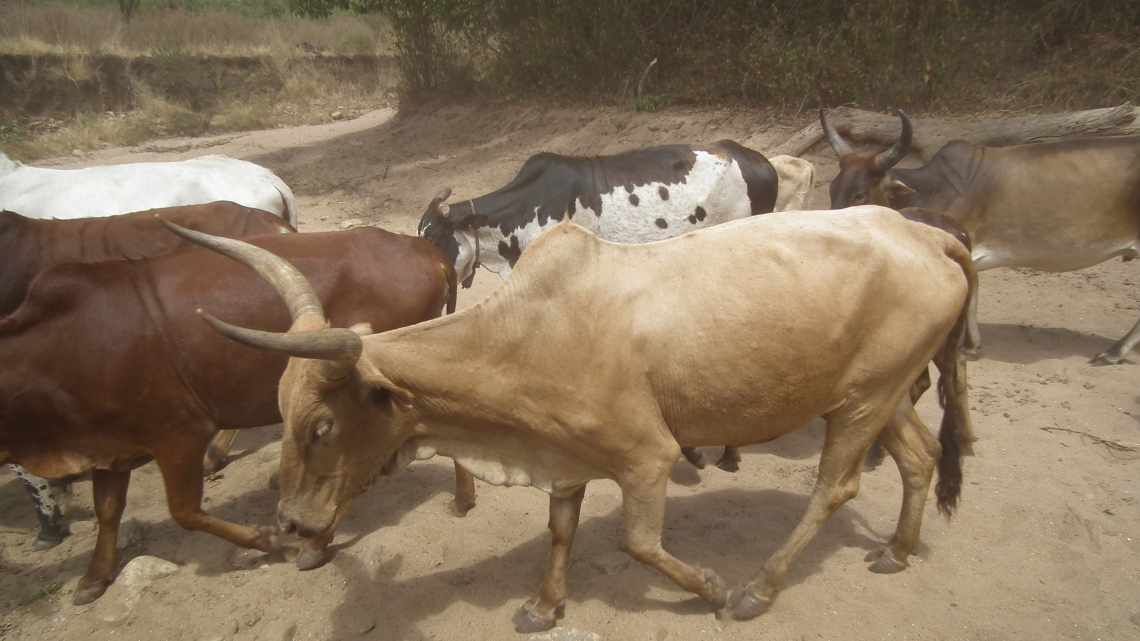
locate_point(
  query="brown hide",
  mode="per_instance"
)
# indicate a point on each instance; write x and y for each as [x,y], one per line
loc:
[29,246]
[109,362]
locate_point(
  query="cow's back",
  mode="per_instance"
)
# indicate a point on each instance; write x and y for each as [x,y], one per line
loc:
[31,245]
[111,190]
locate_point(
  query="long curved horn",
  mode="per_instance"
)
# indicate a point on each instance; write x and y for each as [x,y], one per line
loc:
[289,282]
[838,144]
[341,345]
[892,155]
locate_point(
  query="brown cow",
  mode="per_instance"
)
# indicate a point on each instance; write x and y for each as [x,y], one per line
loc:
[31,245]
[107,366]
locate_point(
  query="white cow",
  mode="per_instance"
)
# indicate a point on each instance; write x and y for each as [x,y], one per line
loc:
[109,190]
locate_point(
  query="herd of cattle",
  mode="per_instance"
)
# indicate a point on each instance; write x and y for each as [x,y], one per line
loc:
[619,342]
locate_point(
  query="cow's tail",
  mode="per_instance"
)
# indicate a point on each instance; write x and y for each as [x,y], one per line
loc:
[452,287]
[955,429]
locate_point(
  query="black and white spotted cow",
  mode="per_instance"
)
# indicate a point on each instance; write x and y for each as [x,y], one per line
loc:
[47,496]
[633,197]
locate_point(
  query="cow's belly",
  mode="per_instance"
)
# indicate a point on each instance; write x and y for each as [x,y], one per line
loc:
[1051,257]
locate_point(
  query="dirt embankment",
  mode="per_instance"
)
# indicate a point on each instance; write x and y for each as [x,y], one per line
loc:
[1046,543]
[51,84]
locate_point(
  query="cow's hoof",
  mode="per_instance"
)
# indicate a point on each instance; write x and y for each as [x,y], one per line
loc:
[311,558]
[884,561]
[729,465]
[268,539]
[745,604]
[89,590]
[461,508]
[1107,358]
[528,619]
[694,457]
[43,542]
[716,590]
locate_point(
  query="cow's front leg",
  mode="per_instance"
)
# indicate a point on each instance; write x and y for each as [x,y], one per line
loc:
[542,612]
[181,467]
[1118,351]
[643,509]
[109,489]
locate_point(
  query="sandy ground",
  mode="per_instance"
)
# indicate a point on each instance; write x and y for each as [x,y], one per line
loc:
[1046,544]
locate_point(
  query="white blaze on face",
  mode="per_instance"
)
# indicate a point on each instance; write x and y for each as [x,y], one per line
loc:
[714,192]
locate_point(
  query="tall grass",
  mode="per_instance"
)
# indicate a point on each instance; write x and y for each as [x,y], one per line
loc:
[924,54]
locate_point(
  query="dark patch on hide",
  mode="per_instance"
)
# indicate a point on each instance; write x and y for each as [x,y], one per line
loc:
[633,199]
[663,192]
[693,219]
[510,252]
[660,222]
[700,213]
[759,175]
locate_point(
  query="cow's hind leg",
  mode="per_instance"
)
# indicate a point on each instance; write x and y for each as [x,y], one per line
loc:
[542,612]
[915,451]
[181,467]
[45,495]
[1122,348]
[840,464]
[110,491]
[643,510]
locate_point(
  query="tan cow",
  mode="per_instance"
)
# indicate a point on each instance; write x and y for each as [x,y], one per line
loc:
[598,360]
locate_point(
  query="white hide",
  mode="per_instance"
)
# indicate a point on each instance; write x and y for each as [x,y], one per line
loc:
[110,190]
[714,183]
[796,178]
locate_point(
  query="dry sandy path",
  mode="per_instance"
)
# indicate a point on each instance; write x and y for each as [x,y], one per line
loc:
[1046,544]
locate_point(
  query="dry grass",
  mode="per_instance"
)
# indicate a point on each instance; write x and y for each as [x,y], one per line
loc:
[182,94]
[39,28]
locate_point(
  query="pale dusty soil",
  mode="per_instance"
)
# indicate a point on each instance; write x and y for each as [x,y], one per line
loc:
[1046,544]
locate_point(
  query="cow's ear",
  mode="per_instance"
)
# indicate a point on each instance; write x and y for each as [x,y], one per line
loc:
[898,193]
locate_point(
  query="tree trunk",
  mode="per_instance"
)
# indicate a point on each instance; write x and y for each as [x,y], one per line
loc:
[858,126]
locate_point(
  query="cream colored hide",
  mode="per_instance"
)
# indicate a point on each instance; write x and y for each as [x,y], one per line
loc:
[796,178]
[598,360]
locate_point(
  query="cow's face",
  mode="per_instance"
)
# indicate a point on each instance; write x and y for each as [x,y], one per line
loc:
[866,178]
[343,429]
[458,243]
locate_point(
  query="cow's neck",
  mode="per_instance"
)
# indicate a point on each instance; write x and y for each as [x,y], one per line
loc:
[456,366]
